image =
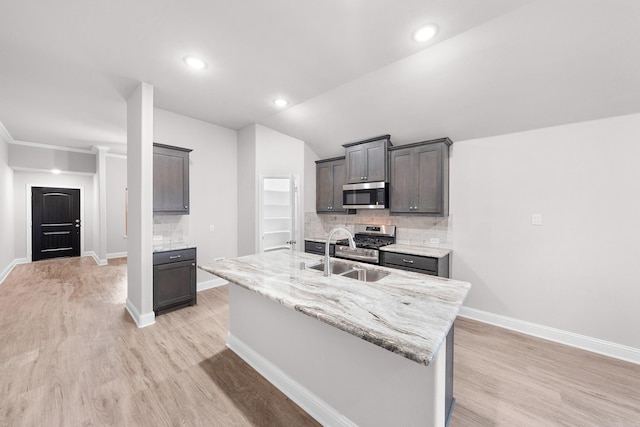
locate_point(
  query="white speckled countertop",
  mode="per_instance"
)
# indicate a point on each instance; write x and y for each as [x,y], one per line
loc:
[407,313]
[417,250]
[172,246]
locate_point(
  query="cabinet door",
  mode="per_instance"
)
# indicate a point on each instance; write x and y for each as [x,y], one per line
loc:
[324,187]
[428,186]
[170,181]
[338,170]
[401,185]
[375,161]
[173,283]
[355,159]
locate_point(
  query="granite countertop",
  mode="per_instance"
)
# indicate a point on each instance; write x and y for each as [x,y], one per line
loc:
[417,250]
[406,313]
[172,246]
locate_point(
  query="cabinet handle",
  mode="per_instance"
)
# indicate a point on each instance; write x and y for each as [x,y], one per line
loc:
[193,264]
[362,177]
[174,256]
[408,261]
[365,177]
[186,207]
[319,248]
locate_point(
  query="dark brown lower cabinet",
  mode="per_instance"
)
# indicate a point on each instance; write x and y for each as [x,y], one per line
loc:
[312,247]
[418,264]
[174,279]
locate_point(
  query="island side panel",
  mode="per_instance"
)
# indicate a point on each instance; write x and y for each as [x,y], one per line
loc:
[337,378]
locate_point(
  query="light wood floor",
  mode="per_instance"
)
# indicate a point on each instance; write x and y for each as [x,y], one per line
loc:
[71,356]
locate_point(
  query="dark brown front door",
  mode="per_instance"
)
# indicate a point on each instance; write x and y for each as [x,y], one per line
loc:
[56,222]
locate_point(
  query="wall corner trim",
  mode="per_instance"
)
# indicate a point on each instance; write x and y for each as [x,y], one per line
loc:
[96,258]
[309,402]
[116,255]
[594,345]
[4,273]
[141,320]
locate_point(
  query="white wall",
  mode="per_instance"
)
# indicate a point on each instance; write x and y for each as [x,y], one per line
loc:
[247,191]
[43,157]
[116,185]
[46,179]
[278,154]
[579,271]
[265,152]
[7,252]
[213,183]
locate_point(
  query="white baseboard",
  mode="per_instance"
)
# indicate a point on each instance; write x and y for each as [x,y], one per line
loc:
[116,255]
[309,402]
[141,320]
[95,258]
[213,283]
[606,348]
[6,271]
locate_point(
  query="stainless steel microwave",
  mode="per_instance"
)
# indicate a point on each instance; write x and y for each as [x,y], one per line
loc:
[366,195]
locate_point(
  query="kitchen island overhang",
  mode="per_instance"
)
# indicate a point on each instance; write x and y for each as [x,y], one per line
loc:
[347,352]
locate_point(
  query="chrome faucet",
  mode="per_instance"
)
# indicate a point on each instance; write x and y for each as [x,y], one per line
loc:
[352,245]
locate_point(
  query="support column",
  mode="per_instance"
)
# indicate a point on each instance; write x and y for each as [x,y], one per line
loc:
[140,190]
[101,174]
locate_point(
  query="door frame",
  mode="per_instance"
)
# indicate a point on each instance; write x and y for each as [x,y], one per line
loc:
[29,207]
[295,210]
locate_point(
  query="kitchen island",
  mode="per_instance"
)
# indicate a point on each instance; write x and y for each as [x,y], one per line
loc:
[348,352]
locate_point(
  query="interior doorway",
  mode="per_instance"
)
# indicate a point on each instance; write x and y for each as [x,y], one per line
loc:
[55,222]
[278,213]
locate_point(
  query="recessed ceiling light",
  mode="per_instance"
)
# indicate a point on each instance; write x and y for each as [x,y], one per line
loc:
[55,171]
[280,102]
[425,33]
[194,62]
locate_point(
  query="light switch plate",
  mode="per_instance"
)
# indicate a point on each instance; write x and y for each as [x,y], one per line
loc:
[212,228]
[536,219]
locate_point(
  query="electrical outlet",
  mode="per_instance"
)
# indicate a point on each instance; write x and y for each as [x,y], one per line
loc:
[212,228]
[536,219]
[434,240]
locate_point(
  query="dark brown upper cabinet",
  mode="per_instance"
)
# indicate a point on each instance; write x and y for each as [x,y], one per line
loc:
[170,180]
[330,174]
[366,160]
[420,178]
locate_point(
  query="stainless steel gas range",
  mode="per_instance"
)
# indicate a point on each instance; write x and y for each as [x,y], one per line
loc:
[368,238]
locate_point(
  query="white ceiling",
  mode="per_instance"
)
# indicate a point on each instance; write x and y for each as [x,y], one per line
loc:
[348,67]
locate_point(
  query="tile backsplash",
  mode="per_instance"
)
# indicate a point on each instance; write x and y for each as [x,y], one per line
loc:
[172,228]
[410,230]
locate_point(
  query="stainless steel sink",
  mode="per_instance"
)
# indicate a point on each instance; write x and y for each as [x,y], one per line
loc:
[346,270]
[365,275]
[336,267]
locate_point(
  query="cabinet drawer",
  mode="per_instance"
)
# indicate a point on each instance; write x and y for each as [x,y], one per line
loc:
[174,256]
[311,247]
[411,261]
